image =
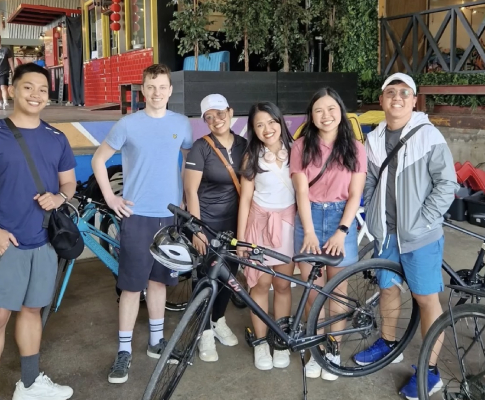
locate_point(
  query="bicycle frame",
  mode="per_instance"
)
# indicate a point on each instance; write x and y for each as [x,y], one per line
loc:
[87,232]
[478,263]
[296,339]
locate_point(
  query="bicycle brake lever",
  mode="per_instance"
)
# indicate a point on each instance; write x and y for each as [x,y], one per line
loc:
[256,255]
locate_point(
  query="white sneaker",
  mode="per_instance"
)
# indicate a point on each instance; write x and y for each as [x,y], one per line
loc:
[43,388]
[207,347]
[281,358]
[312,368]
[328,376]
[262,357]
[223,333]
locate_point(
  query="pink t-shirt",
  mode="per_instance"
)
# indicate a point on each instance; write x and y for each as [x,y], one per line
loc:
[334,184]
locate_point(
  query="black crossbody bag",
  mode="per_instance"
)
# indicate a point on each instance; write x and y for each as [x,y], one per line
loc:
[396,148]
[63,233]
[315,180]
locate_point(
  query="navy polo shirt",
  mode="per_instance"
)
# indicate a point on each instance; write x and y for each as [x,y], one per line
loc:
[20,214]
[218,197]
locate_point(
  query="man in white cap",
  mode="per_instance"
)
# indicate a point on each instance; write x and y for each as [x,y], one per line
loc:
[407,192]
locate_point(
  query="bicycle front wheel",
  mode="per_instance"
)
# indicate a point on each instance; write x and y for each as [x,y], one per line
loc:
[180,349]
[61,273]
[460,357]
[359,316]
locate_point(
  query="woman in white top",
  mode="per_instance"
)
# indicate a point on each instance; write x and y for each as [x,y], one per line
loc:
[266,217]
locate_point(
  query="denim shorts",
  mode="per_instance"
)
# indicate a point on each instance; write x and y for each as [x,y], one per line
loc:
[326,219]
[422,267]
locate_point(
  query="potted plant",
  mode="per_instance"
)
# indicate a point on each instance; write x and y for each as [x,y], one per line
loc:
[247,21]
[190,24]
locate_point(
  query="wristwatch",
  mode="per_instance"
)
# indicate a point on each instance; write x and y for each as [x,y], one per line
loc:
[63,196]
[344,229]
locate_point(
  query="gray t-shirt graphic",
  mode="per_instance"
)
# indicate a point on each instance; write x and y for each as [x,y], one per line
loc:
[392,138]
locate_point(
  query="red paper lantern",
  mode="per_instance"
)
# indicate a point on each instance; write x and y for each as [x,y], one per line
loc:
[134,1]
[115,7]
[115,26]
[116,1]
[135,8]
[136,27]
[115,17]
[136,18]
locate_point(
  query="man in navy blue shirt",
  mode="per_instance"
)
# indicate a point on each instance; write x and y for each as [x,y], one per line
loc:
[28,262]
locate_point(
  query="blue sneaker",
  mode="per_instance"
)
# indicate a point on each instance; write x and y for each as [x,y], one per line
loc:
[375,353]
[410,390]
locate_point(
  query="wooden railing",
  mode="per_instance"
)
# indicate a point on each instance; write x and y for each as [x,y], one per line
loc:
[425,49]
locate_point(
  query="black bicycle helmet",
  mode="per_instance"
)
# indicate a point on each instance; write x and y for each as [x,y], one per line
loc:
[173,250]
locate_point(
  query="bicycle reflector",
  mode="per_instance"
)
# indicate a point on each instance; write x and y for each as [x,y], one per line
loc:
[173,250]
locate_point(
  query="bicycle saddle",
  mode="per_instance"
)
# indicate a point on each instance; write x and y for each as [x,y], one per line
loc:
[324,259]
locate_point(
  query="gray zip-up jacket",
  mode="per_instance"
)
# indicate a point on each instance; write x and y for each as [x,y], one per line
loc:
[425,185]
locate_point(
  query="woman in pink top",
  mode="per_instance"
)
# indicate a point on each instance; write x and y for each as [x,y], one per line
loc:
[267,216]
[326,210]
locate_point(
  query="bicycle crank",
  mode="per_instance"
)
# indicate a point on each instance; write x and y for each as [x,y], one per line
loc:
[285,324]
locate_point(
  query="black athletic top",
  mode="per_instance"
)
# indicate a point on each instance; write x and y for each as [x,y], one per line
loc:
[218,197]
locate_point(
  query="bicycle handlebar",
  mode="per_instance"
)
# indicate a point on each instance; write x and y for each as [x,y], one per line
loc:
[86,200]
[177,211]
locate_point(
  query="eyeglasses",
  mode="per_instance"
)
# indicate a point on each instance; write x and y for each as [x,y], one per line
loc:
[209,119]
[403,93]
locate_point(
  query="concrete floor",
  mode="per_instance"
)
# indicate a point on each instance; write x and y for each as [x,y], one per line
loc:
[80,343]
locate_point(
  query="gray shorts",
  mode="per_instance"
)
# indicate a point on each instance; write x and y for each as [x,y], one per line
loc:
[27,277]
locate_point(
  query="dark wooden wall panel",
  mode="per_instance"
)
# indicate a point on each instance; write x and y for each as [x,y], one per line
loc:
[241,89]
[295,89]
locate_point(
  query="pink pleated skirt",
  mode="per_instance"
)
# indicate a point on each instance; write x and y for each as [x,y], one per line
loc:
[286,248]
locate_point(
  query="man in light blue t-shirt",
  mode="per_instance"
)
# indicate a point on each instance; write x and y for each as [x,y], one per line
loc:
[150,142]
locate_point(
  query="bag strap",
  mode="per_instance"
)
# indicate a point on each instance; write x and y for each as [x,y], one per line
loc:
[398,146]
[226,164]
[30,161]
[316,179]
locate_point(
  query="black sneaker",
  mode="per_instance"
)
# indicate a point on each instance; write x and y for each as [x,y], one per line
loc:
[119,370]
[157,350]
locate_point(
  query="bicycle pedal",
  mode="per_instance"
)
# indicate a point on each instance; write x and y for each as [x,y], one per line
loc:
[332,346]
[251,338]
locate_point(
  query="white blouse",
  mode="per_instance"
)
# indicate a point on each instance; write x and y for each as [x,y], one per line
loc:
[274,189]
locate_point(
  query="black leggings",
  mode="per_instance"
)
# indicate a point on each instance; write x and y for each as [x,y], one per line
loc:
[222,299]
[224,295]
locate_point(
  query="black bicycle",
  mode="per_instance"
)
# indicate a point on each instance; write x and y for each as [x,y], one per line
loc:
[466,278]
[460,332]
[359,313]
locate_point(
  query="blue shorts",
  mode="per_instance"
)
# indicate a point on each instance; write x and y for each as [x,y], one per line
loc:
[422,267]
[326,219]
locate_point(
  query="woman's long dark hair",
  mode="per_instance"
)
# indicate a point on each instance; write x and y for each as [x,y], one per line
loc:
[255,146]
[344,153]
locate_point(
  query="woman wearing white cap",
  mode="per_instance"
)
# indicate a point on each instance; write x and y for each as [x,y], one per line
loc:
[211,186]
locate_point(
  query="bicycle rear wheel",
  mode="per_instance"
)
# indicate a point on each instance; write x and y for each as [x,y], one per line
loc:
[361,314]
[61,273]
[180,349]
[179,295]
[461,360]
